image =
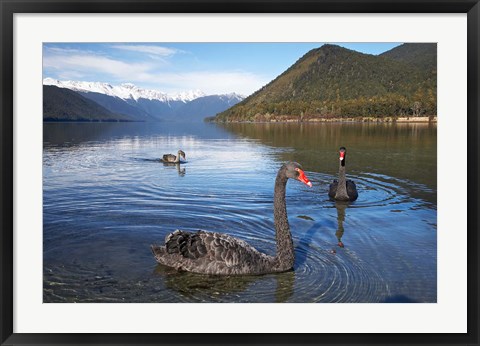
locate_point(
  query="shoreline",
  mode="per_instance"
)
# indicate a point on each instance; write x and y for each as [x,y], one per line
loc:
[391,120]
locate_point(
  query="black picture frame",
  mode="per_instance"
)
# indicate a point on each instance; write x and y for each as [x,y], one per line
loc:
[10,7]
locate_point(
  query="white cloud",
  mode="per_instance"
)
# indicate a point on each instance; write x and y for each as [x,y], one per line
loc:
[152,51]
[71,75]
[213,82]
[63,51]
[84,63]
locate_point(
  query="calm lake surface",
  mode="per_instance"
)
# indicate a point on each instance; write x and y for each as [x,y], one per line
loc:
[107,198]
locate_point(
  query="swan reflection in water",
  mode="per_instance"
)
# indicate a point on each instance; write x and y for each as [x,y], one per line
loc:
[180,170]
[341,207]
[200,287]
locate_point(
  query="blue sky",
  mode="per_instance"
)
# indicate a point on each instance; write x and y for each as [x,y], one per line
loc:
[214,68]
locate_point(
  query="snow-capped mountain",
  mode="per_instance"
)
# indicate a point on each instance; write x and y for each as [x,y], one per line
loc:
[124,91]
[143,104]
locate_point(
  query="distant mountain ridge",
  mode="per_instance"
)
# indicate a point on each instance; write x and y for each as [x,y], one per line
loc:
[66,105]
[137,104]
[332,81]
[125,91]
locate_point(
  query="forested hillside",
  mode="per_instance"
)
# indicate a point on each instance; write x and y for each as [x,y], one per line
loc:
[332,81]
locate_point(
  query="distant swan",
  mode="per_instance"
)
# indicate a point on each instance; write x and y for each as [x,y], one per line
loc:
[342,189]
[170,158]
[218,253]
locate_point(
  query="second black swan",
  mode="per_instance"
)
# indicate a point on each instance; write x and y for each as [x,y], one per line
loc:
[343,189]
[170,158]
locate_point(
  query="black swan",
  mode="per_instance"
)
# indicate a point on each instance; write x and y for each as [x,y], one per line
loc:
[170,158]
[342,189]
[218,253]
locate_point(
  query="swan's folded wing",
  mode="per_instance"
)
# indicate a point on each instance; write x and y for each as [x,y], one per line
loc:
[333,188]
[216,246]
[169,157]
[230,250]
[351,187]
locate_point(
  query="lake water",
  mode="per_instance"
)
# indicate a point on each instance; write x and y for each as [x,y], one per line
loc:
[107,198]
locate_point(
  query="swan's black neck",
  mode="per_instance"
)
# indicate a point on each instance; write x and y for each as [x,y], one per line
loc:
[342,182]
[177,159]
[285,256]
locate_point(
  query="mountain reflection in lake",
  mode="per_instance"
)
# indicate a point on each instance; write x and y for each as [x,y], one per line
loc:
[107,198]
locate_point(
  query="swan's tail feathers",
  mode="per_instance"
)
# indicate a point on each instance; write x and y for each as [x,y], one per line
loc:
[158,251]
[171,246]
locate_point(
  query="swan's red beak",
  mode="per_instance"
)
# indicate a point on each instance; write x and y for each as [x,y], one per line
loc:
[303,178]
[342,155]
